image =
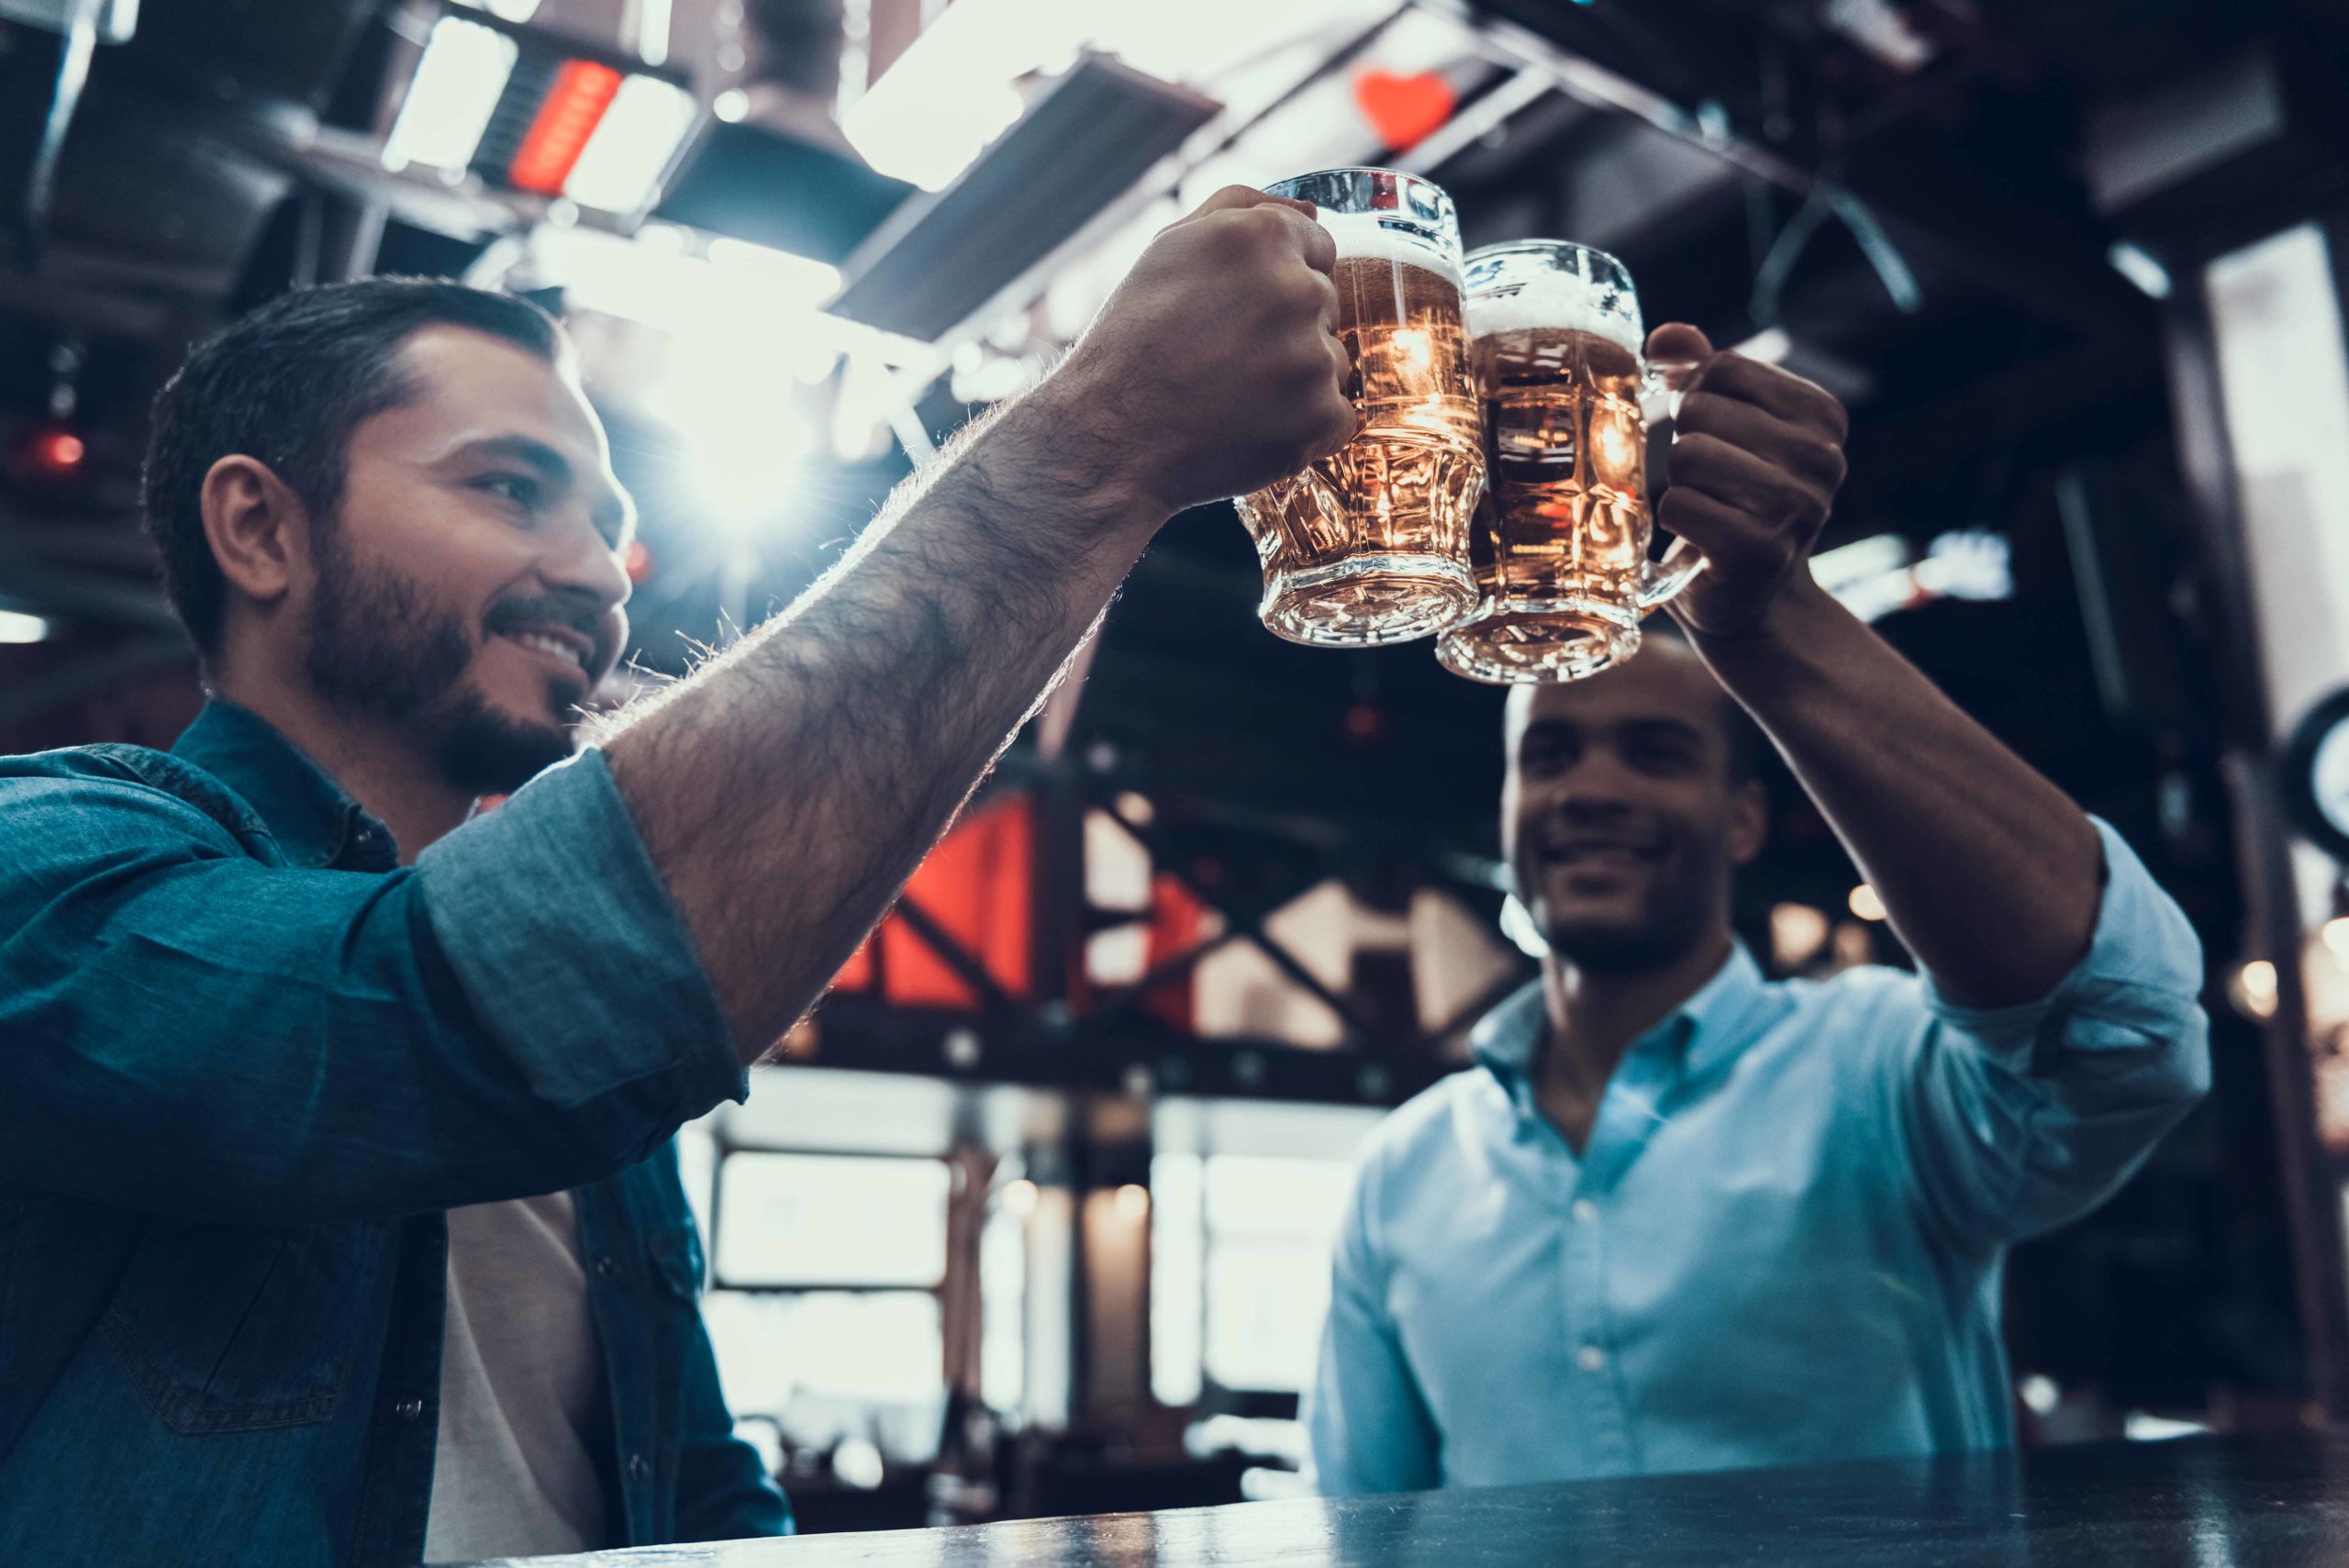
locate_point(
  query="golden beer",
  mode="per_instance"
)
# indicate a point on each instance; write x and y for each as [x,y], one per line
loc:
[1560,549]
[1370,544]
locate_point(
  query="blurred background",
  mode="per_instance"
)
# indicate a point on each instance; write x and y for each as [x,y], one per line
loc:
[1034,1217]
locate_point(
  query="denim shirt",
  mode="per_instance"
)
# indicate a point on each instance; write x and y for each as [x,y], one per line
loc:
[1782,1242]
[247,1063]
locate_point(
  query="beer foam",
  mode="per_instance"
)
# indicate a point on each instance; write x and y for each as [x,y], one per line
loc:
[1558,302]
[1361,237]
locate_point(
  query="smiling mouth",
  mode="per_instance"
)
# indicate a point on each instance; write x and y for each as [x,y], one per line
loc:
[1600,854]
[569,648]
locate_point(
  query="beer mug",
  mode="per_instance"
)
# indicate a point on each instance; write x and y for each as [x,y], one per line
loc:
[1560,549]
[1370,544]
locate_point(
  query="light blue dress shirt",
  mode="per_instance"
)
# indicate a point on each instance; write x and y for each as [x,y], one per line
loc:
[1783,1243]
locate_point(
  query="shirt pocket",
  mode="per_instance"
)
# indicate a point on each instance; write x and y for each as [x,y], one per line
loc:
[229,1328]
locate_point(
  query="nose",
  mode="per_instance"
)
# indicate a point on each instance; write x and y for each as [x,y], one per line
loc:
[584,562]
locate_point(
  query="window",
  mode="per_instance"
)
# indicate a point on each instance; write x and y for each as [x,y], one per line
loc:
[816,1220]
[1241,1281]
[823,1314]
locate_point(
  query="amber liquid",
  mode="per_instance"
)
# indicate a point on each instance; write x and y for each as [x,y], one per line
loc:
[1567,446]
[1397,498]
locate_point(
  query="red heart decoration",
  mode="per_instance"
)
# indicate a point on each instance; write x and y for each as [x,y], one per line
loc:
[1404,109]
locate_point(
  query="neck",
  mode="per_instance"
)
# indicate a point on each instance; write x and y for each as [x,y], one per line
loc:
[1594,1017]
[371,763]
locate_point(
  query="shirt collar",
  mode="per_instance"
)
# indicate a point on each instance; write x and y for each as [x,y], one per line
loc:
[305,810]
[1705,1029]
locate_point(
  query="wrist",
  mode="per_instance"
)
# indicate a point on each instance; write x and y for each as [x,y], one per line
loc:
[1056,438]
[1791,622]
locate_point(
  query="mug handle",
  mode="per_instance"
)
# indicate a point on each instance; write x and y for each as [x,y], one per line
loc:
[1661,383]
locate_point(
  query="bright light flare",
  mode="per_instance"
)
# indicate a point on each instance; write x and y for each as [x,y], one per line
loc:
[17,627]
[1019,1198]
[1866,903]
[952,91]
[2254,990]
[1798,934]
[624,160]
[455,92]
[2335,933]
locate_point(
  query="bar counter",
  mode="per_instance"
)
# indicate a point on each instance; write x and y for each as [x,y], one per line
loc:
[2196,1502]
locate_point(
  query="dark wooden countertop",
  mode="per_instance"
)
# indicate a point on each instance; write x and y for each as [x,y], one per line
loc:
[2194,1502]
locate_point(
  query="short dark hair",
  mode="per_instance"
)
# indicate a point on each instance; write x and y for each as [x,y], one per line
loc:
[286,385]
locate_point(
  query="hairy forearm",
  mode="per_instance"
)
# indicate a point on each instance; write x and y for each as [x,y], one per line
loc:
[1988,871]
[786,790]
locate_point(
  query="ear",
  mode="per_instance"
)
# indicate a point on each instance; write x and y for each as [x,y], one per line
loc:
[1748,821]
[257,527]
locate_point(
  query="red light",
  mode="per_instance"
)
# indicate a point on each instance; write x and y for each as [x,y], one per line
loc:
[582,90]
[1404,110]
[59,452]
[636,561]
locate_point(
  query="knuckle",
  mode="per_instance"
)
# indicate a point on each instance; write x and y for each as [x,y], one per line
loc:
[1728,373]
[1234,233]
[1700,411]
[1699,451]
[1304,291]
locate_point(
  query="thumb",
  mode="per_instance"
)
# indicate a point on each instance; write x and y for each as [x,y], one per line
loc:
[1677,341]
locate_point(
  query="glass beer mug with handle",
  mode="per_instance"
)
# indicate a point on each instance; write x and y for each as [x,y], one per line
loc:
[1560,549]
[1370,544]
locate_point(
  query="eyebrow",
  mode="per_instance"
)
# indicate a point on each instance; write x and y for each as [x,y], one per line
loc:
[615,510]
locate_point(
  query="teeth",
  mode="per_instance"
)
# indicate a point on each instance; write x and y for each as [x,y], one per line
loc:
[549,645]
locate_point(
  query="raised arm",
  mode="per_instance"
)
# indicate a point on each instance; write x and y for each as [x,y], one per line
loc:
[1989,873]
[787,791]
[550,990]
[2061,1036]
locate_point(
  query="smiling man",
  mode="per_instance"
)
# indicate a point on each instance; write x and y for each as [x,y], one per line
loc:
[1680,1218]
[337,1218]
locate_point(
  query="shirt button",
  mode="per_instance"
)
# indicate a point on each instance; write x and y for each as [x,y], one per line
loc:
[1590,1358]
[608,1266]
[408,1410]
[638,1468]
[1584,1211]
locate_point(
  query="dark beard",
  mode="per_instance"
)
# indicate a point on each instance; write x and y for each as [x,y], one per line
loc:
[1623,950]
[378,650]
[1675,918]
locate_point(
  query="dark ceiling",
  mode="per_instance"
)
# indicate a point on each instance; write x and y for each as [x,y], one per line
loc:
[182,195]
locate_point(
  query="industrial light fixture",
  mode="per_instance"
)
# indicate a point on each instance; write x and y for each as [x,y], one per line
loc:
[114,20]
[17,627]
[939,260]
[527,109]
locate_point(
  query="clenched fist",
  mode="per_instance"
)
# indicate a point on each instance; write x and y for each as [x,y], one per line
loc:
[1214,369]
[1756,459]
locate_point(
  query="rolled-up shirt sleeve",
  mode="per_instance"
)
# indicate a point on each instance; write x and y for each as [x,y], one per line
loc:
[2018,1119]
[559,927]
[186,1029]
